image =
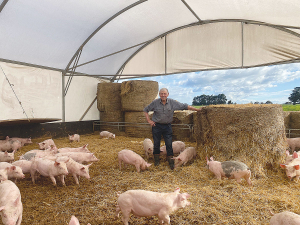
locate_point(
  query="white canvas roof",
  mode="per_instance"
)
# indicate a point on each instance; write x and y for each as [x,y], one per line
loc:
[118,39]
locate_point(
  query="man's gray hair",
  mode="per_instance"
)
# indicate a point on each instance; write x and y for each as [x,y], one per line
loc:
[164,89]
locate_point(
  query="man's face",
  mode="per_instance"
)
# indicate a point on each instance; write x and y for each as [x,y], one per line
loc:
[163,95]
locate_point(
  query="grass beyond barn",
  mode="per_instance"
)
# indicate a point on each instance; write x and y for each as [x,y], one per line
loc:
[212,201]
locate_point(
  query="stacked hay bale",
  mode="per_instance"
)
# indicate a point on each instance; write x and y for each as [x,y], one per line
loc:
[293,122]
[135,96]
[182,132]
[253,134]
[109,105]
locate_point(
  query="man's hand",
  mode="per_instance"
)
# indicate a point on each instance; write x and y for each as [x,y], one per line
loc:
[152,123]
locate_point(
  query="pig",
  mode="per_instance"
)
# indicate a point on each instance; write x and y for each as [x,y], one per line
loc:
[11,207]
[30,155]
[107,134]
[177,146]
[75,221]
[289,158]
[285,218]
[292,169]
[185,156]
[24,141]
[80,157]
[148,147]
[48,168]
[13,172]
[10,145]
[79,149]
[25,165]
[7,157]
[129,157]
[3,174]
[74,168]
[293,143]
[148,203]
[46,144]
[230,169]
[74,137]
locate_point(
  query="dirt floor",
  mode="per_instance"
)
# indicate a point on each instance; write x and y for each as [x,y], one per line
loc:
[94,200]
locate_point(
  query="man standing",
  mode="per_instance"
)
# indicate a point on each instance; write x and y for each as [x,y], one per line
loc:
[162,118]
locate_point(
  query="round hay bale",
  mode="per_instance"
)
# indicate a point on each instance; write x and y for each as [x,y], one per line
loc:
[137,94]
[253,134]
[133,128]
[113,116]
[180,131]
[108,97]
[294,123]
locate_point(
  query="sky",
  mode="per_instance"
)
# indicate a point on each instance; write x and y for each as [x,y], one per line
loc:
[241,86]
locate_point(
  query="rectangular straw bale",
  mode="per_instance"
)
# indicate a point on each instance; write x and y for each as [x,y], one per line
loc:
[133,128]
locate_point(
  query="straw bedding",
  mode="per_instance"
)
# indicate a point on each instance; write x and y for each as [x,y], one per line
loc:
[252,134]
[137,94]
[212,201]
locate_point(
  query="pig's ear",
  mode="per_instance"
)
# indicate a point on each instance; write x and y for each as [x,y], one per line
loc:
[287,152]
[149,164]
[82,168]
[211,159]
[1,208]
[89,165]
[283,166]
[56,163]
[295,155]
[177,190]
[13,167]
[179,159]
[85,146]
[297,167]
[6,153]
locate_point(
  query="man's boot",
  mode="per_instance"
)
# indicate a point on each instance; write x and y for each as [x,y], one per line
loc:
[156,159]
[171,162]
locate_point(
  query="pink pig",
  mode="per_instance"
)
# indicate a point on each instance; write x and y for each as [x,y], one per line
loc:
[74,168]
[75,221]
[289,158]
[24,141]
[185,156]
[293,143]
[11,207]
[46,144]
[148,147]
[80,157]
[79,149]
[10,145]
[148,203]
[48,168]
[3,174]
[74,137]
[177,146]
[230,169]
[293,168]
[7,157]
[285,218]
[25,165]
[12,171]
[130,157]
[107,134]
[30,155]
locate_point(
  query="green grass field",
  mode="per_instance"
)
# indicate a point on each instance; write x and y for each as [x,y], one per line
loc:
[284,107]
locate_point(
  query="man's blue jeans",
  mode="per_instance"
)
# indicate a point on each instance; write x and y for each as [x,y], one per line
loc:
[166,131]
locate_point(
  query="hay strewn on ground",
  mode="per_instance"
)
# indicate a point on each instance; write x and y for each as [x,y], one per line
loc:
[212,201]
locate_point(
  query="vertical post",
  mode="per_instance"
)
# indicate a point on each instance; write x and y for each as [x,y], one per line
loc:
[242,44]
[63,114]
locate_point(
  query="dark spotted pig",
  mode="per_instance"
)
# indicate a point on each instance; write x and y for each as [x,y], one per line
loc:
[230,169]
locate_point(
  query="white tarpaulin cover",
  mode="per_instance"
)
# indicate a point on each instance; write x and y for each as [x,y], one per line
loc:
[118,39]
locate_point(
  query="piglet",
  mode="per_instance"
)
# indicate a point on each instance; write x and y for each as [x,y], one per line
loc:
[79,149]
[48,168]
[148,203]
[74,137]
[46,144]
[11,207]
[293,143]
[177,146]
[7,157]
[10,145]
[129,157]
[230,169]
[289,158]
[107,134]
[80,157]
[39,153]
[13,172]
[24,141]
[25,165]
[292,169]
[185,156]
[74,168]
[75,221]
[285,218]
[148,147]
